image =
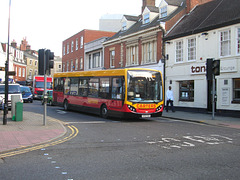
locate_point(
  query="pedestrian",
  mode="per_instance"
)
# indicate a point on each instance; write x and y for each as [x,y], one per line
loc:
[170,99]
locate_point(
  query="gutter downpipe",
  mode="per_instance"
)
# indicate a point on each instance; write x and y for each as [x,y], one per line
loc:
[164,59]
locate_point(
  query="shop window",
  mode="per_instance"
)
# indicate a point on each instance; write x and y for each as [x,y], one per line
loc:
[236,90]
[186,91]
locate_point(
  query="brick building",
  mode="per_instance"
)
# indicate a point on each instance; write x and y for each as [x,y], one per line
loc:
[73,48]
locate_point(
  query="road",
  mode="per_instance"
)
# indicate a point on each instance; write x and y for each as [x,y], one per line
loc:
[137,149]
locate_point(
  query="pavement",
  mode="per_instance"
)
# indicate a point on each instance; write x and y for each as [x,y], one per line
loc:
[31,131]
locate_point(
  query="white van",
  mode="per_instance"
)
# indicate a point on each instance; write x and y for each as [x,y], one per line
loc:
[13,89]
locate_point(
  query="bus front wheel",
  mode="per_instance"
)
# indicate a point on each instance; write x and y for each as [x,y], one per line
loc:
[104,112]
[65,105]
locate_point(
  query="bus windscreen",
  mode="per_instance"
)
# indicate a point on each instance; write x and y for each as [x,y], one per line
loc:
[144,86]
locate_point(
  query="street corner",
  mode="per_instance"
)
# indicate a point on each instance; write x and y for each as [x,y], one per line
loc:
[39,140]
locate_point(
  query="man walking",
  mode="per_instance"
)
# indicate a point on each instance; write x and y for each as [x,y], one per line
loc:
[170,99]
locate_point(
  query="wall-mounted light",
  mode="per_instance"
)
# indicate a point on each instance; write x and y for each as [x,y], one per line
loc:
[204,34]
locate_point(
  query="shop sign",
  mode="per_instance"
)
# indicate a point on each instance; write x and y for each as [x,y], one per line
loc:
[198,69]
[228,66]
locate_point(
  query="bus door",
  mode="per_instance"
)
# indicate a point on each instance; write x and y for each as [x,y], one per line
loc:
[58,95]
[117,94]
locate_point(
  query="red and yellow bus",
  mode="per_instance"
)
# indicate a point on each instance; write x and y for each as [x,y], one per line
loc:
[133,92]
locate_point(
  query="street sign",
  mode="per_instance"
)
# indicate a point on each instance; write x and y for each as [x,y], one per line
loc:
[2,68]
[11,73]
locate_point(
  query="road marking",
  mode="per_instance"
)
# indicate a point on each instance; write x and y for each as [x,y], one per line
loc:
[169,143]
[88,122]
[74,132]
[61,111]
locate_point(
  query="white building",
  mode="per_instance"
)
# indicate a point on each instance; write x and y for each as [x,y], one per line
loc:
[205,33]
[3,58]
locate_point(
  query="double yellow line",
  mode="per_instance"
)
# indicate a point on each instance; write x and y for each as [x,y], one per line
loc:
[74,132]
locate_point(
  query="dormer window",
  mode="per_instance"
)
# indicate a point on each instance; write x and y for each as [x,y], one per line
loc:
[163,11]
[146,18]
[124,26]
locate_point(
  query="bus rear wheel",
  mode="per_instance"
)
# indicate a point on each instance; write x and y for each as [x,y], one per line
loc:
[65,105]
[104,112]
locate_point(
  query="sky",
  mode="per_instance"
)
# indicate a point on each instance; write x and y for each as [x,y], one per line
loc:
[46,23]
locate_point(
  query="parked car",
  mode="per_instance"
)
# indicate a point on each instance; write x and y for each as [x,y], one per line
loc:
[49,99]
[13,89]
[26,94]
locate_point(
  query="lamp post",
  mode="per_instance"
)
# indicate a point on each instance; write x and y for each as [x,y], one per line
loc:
[6,73]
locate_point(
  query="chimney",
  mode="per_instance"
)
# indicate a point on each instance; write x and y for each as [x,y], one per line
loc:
[147,3]
[14,44]
[192,3]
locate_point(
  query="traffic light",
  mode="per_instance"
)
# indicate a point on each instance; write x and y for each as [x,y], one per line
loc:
[41,54]
[216,67]
[45,61]
[49,60]
[209,69]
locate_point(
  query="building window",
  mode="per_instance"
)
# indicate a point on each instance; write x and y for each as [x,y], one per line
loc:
[36,62]
[23,72]
[112,58]
[81,42]
[76,64]
[149,50]
[19,72]
[67,66]
[96,60]
[72,44]
[63,49]
[179,51]
[124,26]
[89,61]
[59,66]
[163,11]
[36,72]
[67,48]
[146,18]
[76,44]
[238,40]
[186,91]
[236,90]
[192,49]
[63,69]
[225,43]
[30,62]
[132,55]
[71,65]
[81,63]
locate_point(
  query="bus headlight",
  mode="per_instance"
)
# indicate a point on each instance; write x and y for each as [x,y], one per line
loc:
[159,108]
[131,108]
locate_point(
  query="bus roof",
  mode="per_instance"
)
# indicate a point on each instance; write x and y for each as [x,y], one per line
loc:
[109,72]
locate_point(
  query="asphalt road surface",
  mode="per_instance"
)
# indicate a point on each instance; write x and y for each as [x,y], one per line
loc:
[130,149]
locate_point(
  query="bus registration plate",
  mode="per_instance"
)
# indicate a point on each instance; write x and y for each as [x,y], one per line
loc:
[146,115]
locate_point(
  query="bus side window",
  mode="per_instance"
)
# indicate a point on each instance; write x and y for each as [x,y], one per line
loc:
[67,86]
[104,89]
[74,86]
[93,87]
[83,87]
[56,82]
[117,88]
